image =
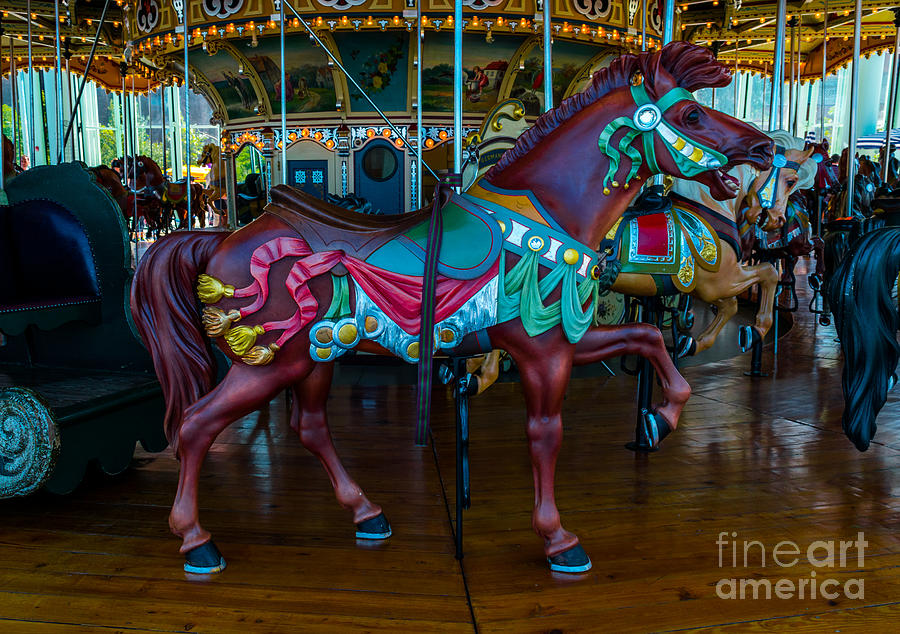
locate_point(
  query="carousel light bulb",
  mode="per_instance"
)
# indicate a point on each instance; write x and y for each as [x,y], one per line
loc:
[523,23]
[450,20]
[709,25]
[396,20]
[499,20]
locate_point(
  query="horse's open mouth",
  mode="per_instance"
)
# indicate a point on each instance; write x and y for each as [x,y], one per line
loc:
[724,186]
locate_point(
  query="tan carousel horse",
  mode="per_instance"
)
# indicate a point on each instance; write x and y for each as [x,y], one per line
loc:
[214,187]
[708,264]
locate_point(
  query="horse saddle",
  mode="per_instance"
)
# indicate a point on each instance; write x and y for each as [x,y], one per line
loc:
[175,192]
[470,241]
[666,241]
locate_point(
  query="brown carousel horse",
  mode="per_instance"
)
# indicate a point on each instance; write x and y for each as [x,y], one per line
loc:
[524,280]
[149,180]
[110,179]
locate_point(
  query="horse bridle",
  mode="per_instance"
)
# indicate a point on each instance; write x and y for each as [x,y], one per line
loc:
[768,192]
[648,121]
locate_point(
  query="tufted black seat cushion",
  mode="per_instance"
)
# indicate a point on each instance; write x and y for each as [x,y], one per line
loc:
[45,259]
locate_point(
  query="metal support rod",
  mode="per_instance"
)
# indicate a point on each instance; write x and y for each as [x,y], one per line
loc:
[67,54]
[137,150]
[892,101]
[420,34]
[824,74]
[775,115]
[736,80]
[87,68]
[854,90]
[356,85]
[284,140]
[798,85]
[187,117]
[668,36]
[14,88]
[793,25]
[457,87]
[668,21]
[165,141]
[30,89]
[2,139]
[58,83]
[548,59]
[643,25]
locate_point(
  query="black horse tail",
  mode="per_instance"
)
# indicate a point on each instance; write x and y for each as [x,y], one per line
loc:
[867,320]
[167,315]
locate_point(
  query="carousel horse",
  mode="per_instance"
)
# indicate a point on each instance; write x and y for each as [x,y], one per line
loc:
[842,228]
[867,318]
[795,239]
[149,180]
[10,168]
[693,246]
[522,279]
[127,199]
[250,197]
[215,178]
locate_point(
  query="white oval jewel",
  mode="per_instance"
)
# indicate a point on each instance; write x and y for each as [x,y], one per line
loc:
[647,117]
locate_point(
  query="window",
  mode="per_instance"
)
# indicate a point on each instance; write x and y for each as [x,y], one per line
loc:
[379,163]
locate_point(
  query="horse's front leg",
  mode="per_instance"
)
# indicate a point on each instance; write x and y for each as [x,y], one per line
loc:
[308,419]
[603,342]
[545,365]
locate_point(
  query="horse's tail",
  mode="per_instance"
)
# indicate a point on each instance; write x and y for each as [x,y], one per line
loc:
[167,315]
[867,320]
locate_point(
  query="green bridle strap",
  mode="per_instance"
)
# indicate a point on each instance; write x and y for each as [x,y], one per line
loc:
[690,157]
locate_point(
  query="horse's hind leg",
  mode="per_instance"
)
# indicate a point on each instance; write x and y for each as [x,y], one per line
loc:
[243,390]
[308,419]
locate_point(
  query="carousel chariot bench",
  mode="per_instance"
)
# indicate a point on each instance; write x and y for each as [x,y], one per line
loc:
[76,386]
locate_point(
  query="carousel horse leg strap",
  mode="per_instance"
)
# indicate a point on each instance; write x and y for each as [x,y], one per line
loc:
[470,244]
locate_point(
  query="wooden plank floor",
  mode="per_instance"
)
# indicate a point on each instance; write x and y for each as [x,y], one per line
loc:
[762,458]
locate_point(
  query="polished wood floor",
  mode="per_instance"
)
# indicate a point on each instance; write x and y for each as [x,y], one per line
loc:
[763,458]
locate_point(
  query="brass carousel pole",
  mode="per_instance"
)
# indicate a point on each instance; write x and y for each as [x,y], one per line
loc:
[457,87]
[284,140]
[824,74]
[30,89]
[548,59]
[854,90]
[775,114]
[790,112]
[892,101]
[420,34]
[58,84]
[187,117]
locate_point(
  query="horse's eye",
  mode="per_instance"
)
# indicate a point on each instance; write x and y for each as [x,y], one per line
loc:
[692,117]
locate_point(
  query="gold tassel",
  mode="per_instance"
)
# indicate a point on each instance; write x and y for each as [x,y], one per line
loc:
[217,322]
[260,355]
[242,338]
[210,290]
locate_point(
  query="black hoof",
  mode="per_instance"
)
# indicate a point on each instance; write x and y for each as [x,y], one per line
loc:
[204,560]
[374,528]
[687,347]
[748,336]
[571,561]
[651,431]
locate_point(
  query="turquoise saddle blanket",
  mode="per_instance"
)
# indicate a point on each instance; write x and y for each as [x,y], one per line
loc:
[470,244]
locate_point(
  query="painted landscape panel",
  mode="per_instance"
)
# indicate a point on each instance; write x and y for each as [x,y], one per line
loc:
[484,66]
[309,86]
[223,71]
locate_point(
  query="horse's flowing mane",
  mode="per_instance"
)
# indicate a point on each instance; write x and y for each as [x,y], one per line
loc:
[692,67]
